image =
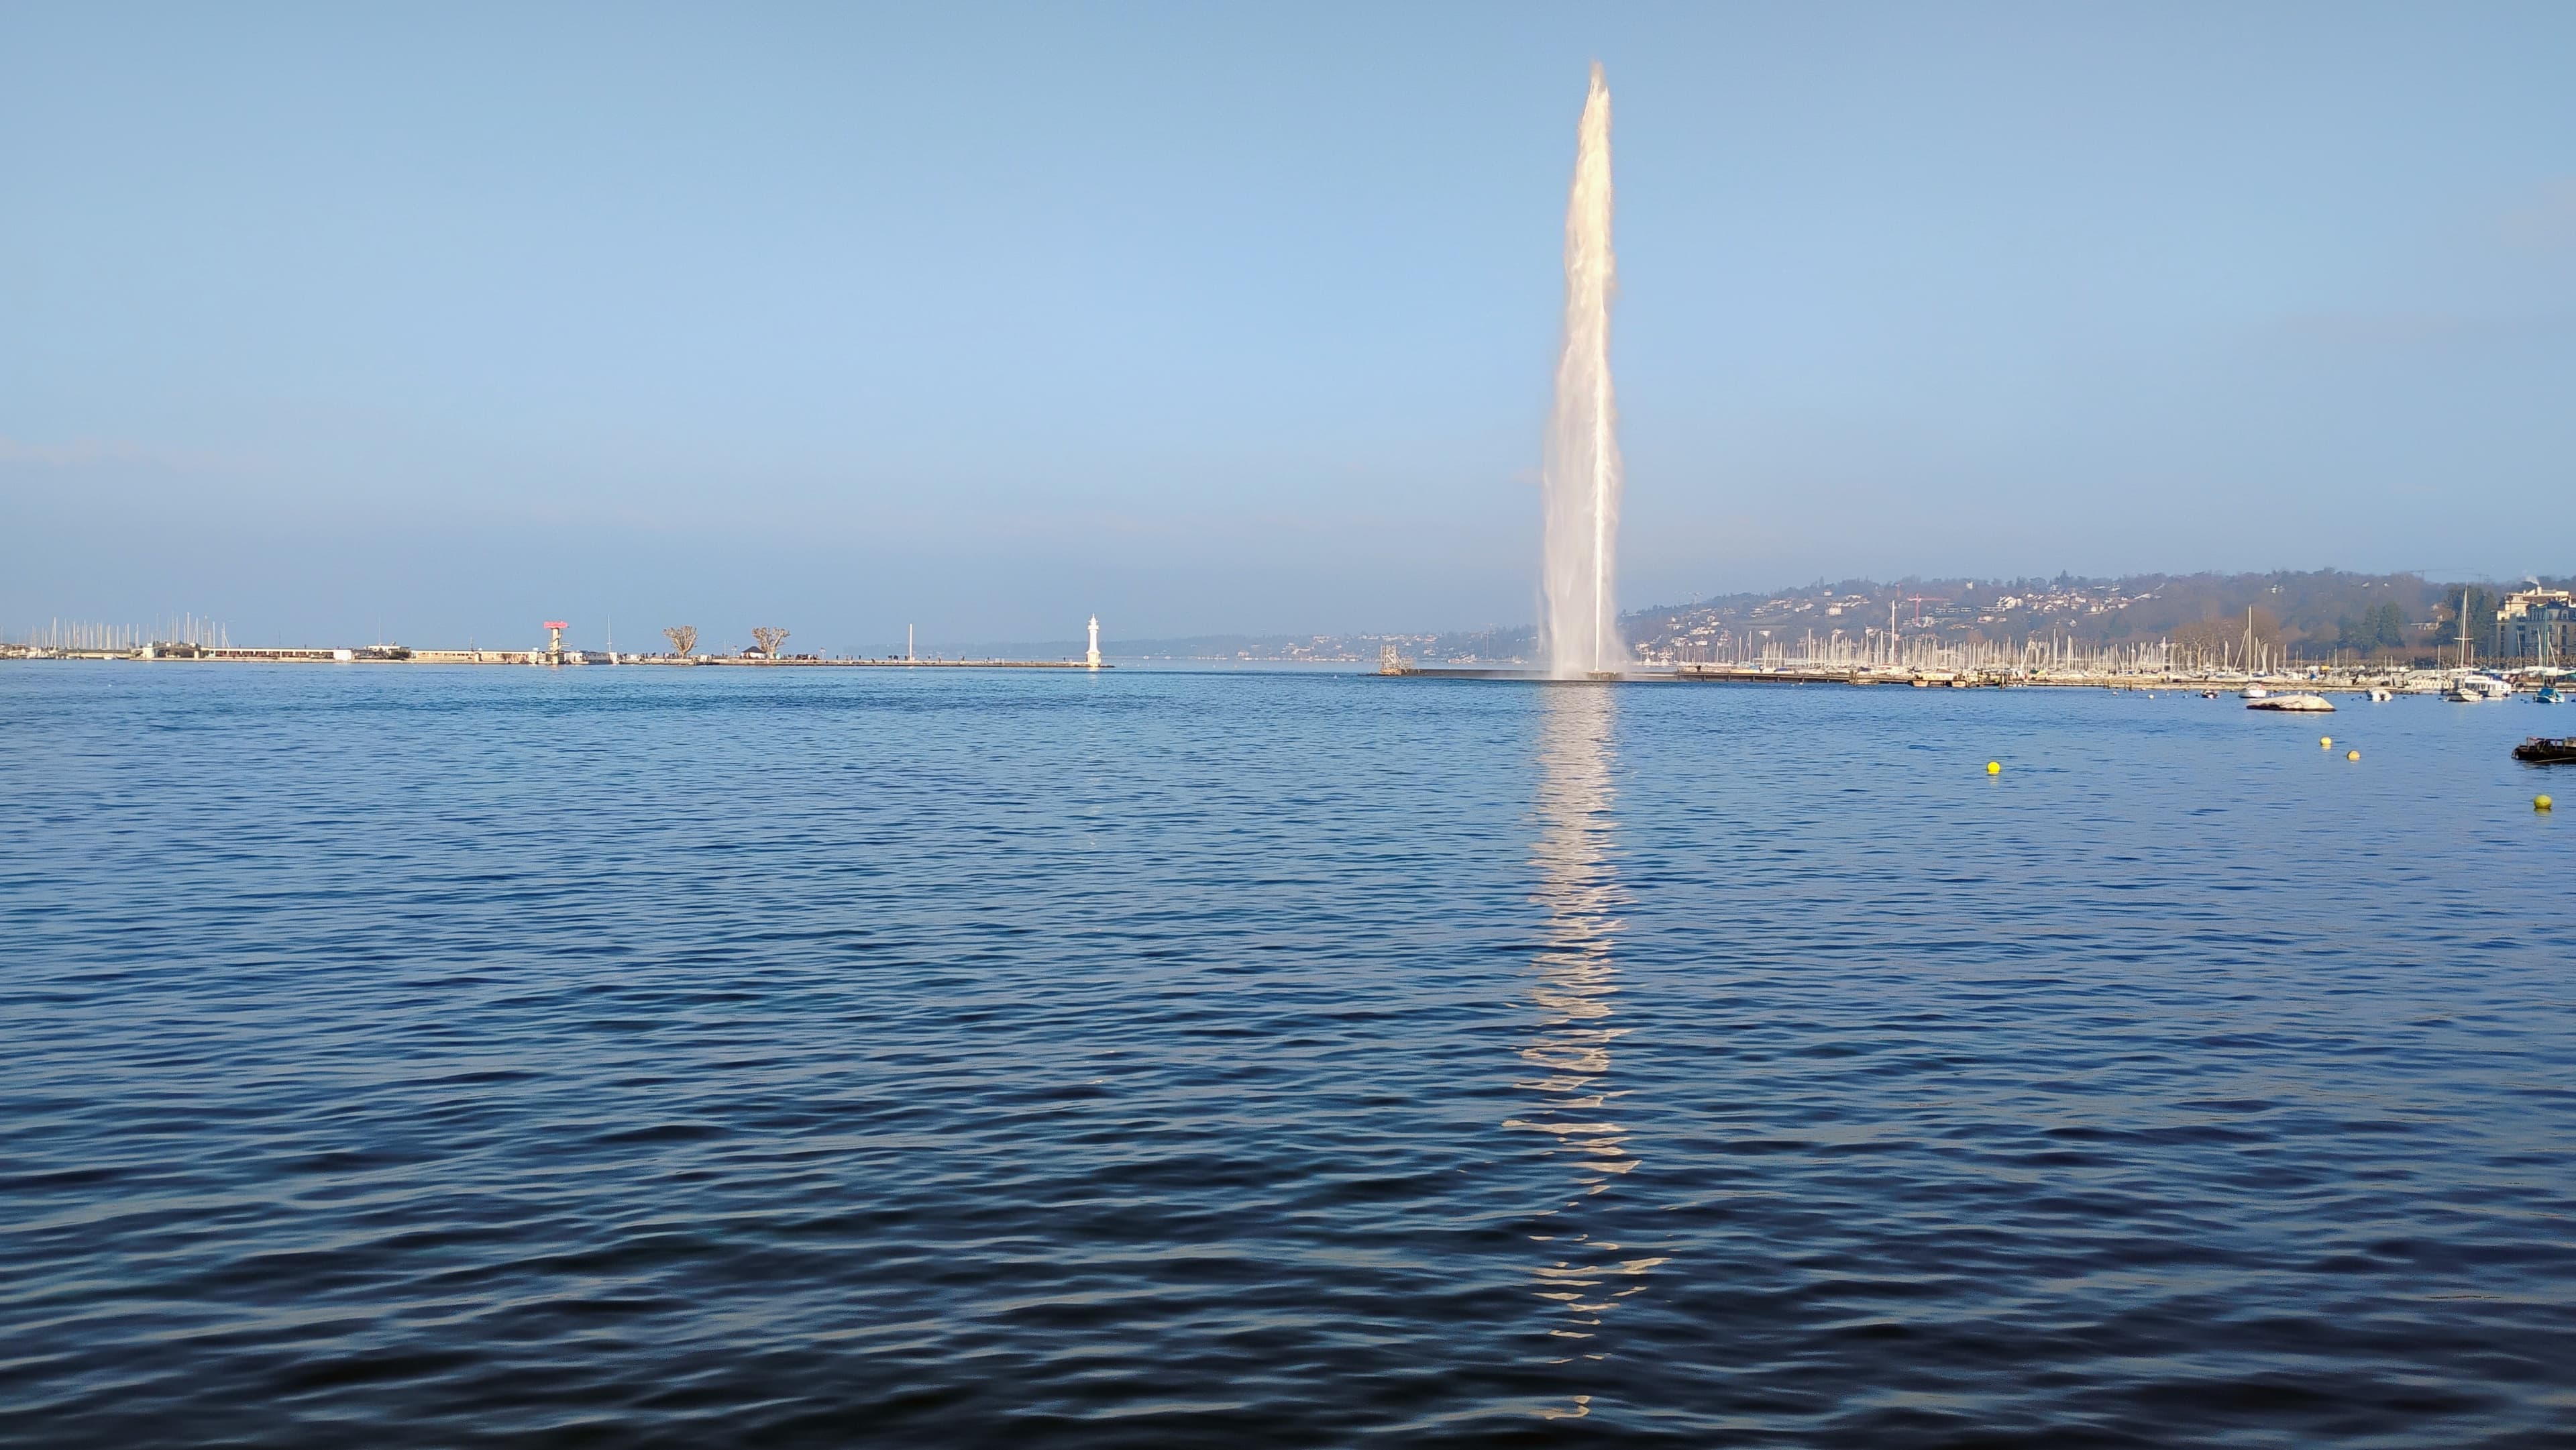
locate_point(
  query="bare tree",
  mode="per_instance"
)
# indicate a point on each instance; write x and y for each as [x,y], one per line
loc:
[770,637]
[683,638]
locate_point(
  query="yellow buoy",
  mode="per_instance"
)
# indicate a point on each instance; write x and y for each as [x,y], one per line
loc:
[2540,803]
[1994,767]
[2352,755]
[2325,742]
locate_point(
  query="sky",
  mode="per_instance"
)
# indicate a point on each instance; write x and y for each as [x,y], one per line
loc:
[429,322]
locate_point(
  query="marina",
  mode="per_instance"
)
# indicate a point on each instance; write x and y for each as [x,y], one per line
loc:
[2539,685]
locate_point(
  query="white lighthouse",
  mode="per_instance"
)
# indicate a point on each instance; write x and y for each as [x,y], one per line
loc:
[1091,657]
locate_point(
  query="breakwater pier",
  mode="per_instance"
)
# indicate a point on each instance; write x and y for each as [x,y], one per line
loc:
[197,640]
[159,653]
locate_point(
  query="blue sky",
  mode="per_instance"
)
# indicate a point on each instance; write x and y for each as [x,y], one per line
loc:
[1226,318]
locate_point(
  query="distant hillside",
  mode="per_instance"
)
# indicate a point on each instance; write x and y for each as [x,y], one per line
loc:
[2315,615]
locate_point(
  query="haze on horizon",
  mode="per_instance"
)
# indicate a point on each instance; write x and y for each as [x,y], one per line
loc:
[1212,319]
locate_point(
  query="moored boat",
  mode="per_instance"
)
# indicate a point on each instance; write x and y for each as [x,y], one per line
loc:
[2541,750]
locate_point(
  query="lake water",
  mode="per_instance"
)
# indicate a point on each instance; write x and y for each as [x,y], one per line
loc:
[406,1055]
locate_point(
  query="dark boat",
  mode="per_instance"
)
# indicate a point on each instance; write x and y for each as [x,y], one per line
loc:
[2540,750]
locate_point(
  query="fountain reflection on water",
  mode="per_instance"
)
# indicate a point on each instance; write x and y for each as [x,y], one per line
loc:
[1582,1276]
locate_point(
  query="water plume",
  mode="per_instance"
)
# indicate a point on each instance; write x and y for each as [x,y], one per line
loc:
[1581,477]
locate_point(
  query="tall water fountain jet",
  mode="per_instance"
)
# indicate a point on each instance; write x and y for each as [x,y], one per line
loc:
[1581,478]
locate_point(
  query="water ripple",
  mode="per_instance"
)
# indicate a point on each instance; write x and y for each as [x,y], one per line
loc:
[416,1056]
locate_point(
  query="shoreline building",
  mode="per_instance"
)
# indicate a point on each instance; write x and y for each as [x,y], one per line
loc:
[2538,625]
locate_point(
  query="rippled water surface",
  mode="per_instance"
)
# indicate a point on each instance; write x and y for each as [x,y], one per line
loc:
[410,1055]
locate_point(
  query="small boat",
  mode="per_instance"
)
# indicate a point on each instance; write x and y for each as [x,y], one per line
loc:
[2254,692]
[2548,695]
[2540,750]
[2305,704]
[2380,695]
